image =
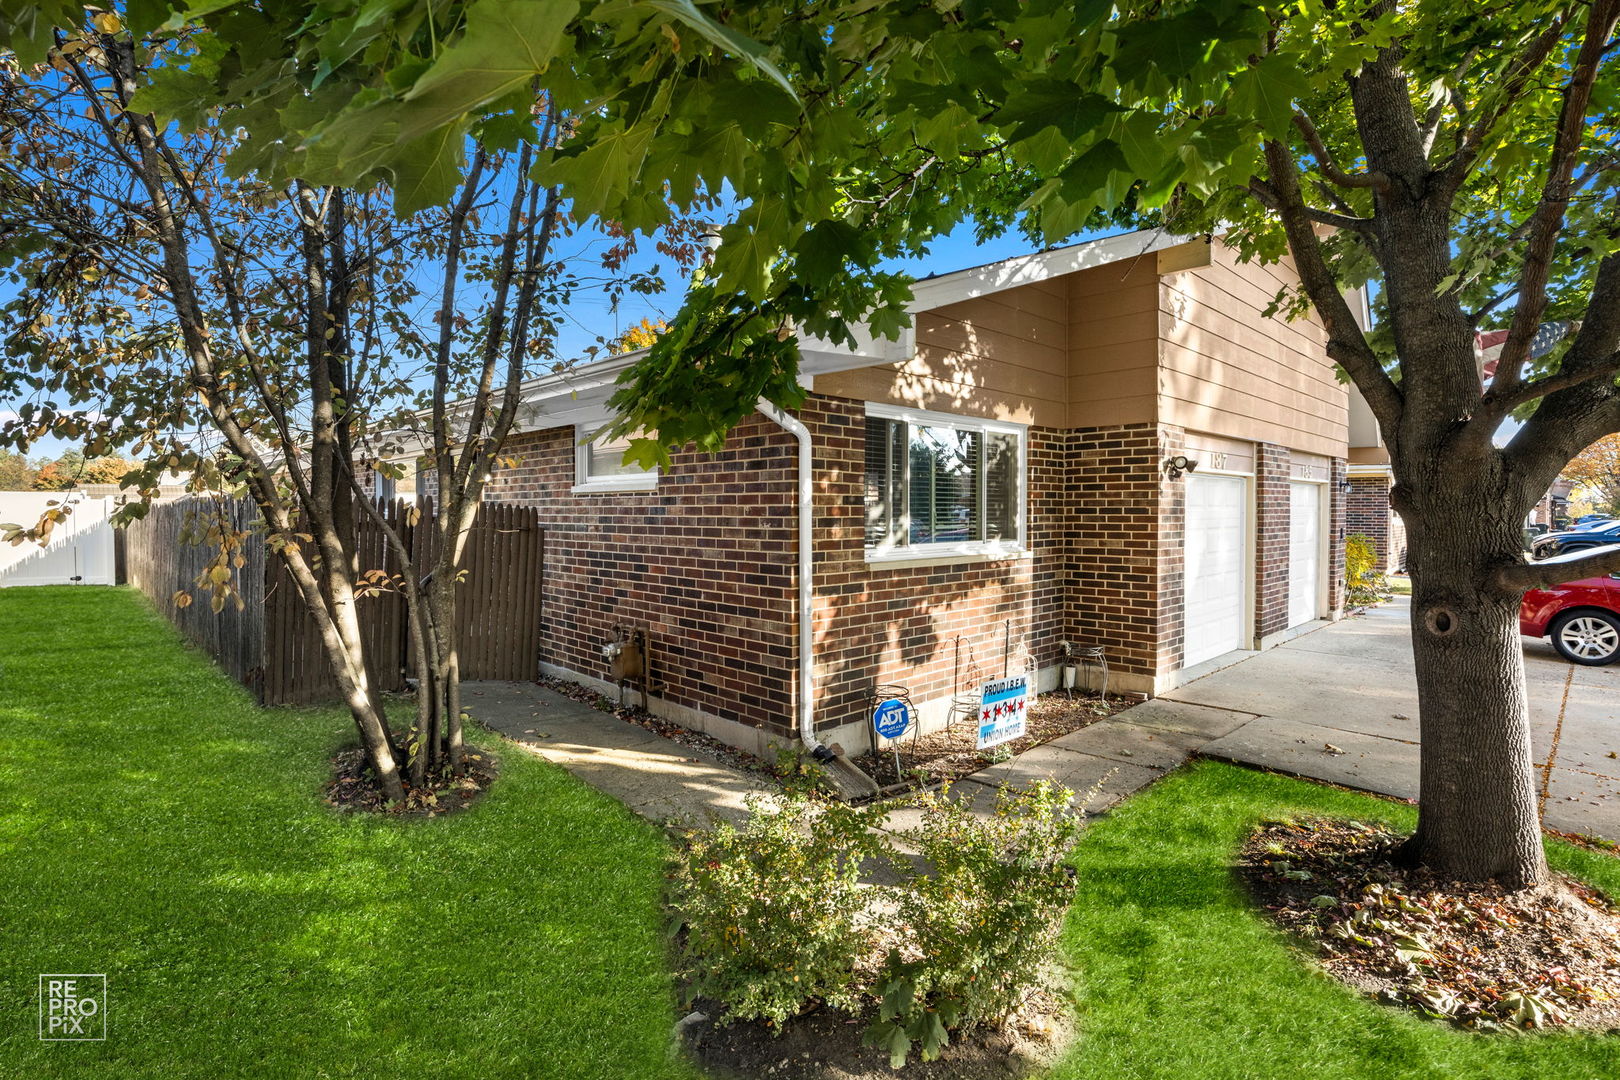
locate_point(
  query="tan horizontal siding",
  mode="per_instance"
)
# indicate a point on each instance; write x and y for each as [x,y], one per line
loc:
[1002,357]
[1119,344]
[1228,369]
[944,341]
[1113,344]
[889,384]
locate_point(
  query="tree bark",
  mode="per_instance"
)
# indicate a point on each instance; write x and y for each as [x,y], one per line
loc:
[442,600]
[1478,817]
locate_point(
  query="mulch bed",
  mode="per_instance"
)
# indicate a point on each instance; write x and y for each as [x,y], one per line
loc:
[353,787]
[1475,955]
[826,1045]
[950,754]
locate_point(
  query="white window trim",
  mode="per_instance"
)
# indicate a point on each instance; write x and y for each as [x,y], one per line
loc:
[605,485]
[971,551]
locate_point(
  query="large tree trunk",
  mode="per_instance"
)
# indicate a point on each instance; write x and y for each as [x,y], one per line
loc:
[1478,818]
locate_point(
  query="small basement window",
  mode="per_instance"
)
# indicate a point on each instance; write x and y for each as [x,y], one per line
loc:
[939,485]
[599,464]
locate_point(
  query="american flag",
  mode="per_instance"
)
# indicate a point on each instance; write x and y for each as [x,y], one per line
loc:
[1488,343]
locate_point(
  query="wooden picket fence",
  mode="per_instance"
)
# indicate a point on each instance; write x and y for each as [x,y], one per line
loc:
[272,647]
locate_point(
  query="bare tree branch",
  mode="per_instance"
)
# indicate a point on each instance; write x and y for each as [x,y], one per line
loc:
[1548,220]
[1503,402]
[1268,198]
[1592,356]
[1544,575]
[1328,167]
[1473,136]
[1346,342]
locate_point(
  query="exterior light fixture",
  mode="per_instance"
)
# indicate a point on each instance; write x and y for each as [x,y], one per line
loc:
[1174,467]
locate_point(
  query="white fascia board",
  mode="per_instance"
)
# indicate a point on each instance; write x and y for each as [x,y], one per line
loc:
[1042,266]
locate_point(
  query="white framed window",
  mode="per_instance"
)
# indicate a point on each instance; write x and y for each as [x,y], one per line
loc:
[599,465]
[941,486]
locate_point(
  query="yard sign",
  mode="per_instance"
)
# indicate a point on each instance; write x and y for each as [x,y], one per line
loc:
[891,719]
[1003,708]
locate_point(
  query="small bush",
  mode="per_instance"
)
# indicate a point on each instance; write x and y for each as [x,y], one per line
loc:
[1364,585]
[772,910]
[776,920]
[979,920]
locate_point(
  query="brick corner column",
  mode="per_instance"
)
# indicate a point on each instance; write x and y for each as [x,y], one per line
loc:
[1338,501]
[1271,531]
[1170,539]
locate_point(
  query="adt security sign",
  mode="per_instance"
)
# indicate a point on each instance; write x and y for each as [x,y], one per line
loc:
[1003,709]
[891,718]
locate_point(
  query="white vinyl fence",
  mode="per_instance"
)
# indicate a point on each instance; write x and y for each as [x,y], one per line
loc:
[80,551]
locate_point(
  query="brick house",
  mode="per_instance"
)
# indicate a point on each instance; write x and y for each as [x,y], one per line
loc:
[1553,509]
[1368,511]
[1000,480]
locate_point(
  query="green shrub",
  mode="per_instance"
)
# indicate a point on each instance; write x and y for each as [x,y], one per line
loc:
[775,917]
[979,920]
[772,911]
[1364,585]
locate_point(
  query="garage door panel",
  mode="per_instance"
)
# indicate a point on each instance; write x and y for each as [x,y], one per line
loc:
[1305,562]
[1216,566]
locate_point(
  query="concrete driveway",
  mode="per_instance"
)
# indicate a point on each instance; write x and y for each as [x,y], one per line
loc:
[1340,704]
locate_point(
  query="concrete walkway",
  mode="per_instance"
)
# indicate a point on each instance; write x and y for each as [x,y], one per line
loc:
[660,779]
[1340,704]
[1119,756]
[1337,704]
[681,786]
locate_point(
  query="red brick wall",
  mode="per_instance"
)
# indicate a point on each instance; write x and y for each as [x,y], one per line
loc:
[933,628]
[1367,511]
[1124,551]
[1338,507]
[706,563]
[1272,532]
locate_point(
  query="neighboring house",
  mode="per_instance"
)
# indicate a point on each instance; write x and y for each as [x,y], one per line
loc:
[995,483]
[1370,513]
[1553,509]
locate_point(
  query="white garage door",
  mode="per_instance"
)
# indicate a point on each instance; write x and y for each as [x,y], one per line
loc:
[1217,534]
[1305,564]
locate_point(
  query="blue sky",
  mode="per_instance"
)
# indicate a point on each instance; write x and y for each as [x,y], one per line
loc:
[591,315]
[594,316]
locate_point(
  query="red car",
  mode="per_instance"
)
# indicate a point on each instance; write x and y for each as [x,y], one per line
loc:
[1581,617]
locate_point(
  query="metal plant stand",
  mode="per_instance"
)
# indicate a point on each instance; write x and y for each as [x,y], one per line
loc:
[1091,658]
[885,692]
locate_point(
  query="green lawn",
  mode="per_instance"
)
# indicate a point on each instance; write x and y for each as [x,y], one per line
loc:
[1181,979]
[156,826]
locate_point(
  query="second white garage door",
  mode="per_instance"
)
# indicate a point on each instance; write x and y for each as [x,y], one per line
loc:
[1305,563]
[1216,566]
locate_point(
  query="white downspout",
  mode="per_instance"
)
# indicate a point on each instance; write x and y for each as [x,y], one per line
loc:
[807,672]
